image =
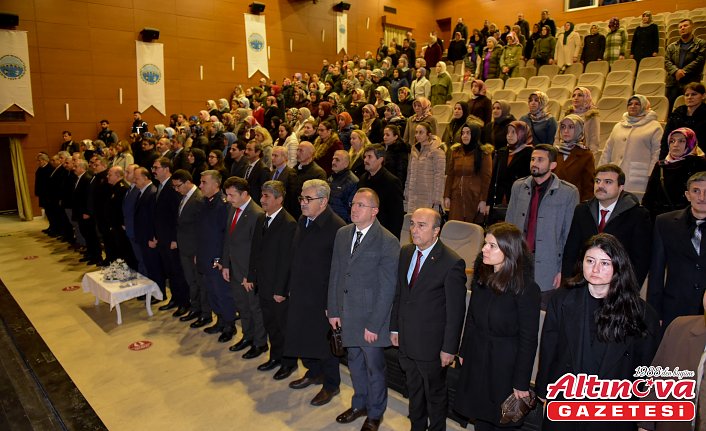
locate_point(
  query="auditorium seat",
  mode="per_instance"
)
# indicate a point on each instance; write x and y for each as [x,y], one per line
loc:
[617,90]
[651,63]
[442,112]
[660,105]
[523,95]
[597,67]
[457,87]
[458,97]
[554,108]
[549,70]
[620,77]
[564,81]
[405,234]
[650,89]
[541,83]
[466,239]
[628,64]
[528,71]
[612,108]
[595,79]
[651,75]
[515,84]
[519,108]
[595,92]
[494,84]
[575,69]
[560,94]
[506,95]
[606,130]
[678,102]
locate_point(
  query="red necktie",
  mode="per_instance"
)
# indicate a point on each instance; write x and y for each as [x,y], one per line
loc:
[532,218]
[601,225]
[235,220]
[417,266]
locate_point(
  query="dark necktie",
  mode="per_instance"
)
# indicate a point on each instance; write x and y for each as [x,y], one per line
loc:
[159,190]
[247,172]
[267,224]
[358,236]
[532,218]
[277,172]
[601,225]
[417,267]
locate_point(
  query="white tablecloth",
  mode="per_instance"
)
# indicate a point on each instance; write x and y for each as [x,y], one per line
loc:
[113,294]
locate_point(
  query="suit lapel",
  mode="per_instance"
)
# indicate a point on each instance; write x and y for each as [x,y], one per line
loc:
[429,262]
[405,261]
[574,327]
[367,240]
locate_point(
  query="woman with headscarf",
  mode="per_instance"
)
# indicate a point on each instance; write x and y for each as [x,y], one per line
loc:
[213,109]
[458,119]
[324,112]
[263,137]
[197,161]
[441,86]
[634,144]
[479,104]
[301,99]
[543,49]
[511,56]
[291,116]
[593,46]
[575,162]
[398,81]
[204,117]
[228,122]
[223,106]
[372,126]
[434,51]
[382,98]
[229,139]
[543,124]
[326,145]
[304,115]
[308,131]
[239,122]
[501,119]
[345,127]
[287,139]
[568,47]
[314,99]
[457,48]
[396,152]
[393,116]
[355,152]
[489,61]
[356,107]
[645,39]
[123,155]
[667,183]
[692,115]
[421,87]
[583,106]
[271,111]
[215,140]
[616,42]
[510,163]
[468,176]
[405,102]
[424,187]
[422,114]
[529,43]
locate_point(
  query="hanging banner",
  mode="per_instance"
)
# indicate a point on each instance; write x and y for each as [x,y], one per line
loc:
[150,76]
[256,42]
[15,85]
[341,32]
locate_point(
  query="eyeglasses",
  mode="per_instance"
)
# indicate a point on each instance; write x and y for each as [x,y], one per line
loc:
[154,168]
[360,205]
[177,185]
[308,199]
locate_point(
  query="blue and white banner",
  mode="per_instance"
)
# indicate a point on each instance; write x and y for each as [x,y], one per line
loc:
[256,43]
[15,85]
[150,76]
[341,32]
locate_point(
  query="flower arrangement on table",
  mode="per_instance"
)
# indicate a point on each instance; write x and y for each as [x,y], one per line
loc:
[118,270]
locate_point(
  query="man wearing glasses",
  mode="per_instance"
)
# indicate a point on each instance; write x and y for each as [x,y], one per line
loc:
[361,291]
[307,324]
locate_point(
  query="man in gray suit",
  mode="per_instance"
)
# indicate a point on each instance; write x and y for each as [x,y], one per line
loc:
[242,221]
[360,294]
[188,219]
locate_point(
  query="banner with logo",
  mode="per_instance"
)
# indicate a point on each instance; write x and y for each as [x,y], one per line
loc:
[150,76]
[341,32]
[15,85]
[256,42]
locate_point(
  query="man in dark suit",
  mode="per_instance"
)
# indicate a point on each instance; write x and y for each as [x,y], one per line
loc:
[188,220]
[216,292]
[679,248]
[307,324]
[427,318]
[240,162]
[235,259]
[128,208]
[41,179]
[178,155]
[80,202]
[117,191]
[386,185]
[361,289]
[307,169]
[144,224]
[256,173]
[270,257]
[98,192]
[148,154]
[286,175]
[344,184]
[166,210]
[52,203]
[612,211]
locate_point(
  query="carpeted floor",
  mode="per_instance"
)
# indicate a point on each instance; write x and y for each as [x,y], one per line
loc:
[185,381]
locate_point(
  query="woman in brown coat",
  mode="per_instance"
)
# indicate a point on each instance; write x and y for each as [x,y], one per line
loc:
[468,178]
[575,163]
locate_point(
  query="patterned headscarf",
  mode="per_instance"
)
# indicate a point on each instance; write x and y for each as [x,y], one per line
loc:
[384,93]
[371,111]
[587,101]
[648,14]
[542,114]
[426,108]
[565,147]
[482,88]
[644,105]
[524,134]
[691,144]
[515,39]
[394,110]
[614,24]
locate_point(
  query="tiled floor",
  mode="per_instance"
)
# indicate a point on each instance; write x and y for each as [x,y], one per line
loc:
[185,381]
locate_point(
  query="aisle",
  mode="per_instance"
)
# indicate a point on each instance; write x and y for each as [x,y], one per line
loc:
[186,380]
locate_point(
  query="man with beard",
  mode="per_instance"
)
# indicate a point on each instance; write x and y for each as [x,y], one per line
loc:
[542,206]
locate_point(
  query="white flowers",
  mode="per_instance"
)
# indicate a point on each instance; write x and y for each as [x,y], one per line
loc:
[118,270]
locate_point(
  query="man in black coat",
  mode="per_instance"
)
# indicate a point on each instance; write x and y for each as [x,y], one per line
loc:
[674,251]
[42,181]
[624,218]
[343,185]
[388,187]
[240,162]
[117,191]
[98,193]
[307,169]
[256,172]
[178,155]
[307,323]
[504,176]
[58,224]
[144,224]
[166,211]
[80,213]
[287,176]
[427,318]
[270,257]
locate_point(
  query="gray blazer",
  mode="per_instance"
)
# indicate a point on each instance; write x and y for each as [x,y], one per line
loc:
[236,245]
[188,224]
[362,286]
[553,223]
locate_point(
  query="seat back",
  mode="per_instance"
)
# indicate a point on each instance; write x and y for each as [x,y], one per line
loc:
[659,104]
[466,239]
[575,69]
[549,70]
[617,90]
[527,71]
[652,63]
[494,84]
[519,108]
[458,97]
[620,77]
[679,102]
[560,94]
[612,108]
[651,75]
[442,113]
[650,89]
[595,79]
[554,108]
[524,94]
[595,92]
[541,83]
[515,84]
[564,81]
[628,64]
[457,86]
[406,234]
[506,95]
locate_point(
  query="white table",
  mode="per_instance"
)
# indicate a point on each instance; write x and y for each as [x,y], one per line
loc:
[113,294]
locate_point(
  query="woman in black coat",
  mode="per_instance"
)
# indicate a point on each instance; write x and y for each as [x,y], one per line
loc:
[667,183]
[593,46]
[599,326]
[645,40]
[500,337]
[501,120]
[396,152]
[692,115]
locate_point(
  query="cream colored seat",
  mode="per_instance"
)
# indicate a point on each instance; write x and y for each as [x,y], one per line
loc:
[612,108]
[515,84]
[466,239]
[541,83]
